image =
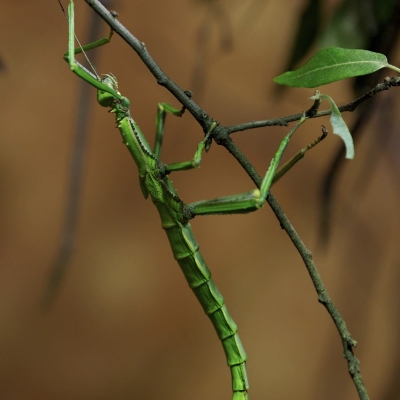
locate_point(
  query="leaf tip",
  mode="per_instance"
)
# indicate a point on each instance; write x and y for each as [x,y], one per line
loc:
[349,152]
[278,79]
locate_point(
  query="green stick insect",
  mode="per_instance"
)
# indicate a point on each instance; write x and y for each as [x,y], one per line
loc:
[174,213]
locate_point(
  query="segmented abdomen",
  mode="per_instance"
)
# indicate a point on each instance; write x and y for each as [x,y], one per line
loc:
[198,276]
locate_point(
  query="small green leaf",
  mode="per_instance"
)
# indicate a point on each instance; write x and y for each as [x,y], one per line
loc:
[339,126]
[333,64]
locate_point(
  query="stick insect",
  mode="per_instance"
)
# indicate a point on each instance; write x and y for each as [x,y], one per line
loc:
[174,213]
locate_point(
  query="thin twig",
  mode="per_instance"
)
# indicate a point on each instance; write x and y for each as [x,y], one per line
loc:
[221,136]
[283,121]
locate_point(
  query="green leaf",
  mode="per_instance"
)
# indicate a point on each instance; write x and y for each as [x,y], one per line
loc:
[333,64]
[339,126]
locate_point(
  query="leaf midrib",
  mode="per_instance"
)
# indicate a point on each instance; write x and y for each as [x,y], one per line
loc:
[340,64]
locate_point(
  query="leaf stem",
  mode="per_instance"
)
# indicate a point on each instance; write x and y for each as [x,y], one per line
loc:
[393,68]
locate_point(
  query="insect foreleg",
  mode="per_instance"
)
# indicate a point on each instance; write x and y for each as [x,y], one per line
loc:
[78,69]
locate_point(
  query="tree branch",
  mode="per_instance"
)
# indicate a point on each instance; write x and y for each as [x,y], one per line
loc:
[283,121]
[221,136]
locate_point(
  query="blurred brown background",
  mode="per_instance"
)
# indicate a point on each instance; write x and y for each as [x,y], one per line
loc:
[124,324]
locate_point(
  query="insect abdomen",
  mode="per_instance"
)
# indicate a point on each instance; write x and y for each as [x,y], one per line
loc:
[198,276]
